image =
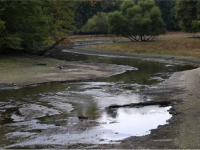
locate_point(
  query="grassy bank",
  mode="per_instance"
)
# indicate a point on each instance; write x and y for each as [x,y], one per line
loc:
[188,48]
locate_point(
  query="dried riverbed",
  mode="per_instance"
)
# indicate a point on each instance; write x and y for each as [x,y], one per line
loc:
[182,131]
[21,71]
[46,116]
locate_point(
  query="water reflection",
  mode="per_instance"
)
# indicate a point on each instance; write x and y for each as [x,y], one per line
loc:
[146,69]
[134,121]
[59,105]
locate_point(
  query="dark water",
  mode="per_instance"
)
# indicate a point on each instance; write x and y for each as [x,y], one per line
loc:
[146,69]
[47,115]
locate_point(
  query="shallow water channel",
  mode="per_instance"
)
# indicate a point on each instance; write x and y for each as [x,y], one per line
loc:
[46,116]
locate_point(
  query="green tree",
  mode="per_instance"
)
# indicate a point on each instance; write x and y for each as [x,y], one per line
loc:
[28,25]
[2,26]
[168,13]
[198,10]
[139,22]
[196,23]
[98,24]
[83,11]
[110,6]
[187,14]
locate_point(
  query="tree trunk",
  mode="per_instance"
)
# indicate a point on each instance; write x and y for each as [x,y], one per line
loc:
[42,52]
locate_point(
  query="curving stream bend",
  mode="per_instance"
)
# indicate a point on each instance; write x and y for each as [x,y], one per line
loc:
[46,116]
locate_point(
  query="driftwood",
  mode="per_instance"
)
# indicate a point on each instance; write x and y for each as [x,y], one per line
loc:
[170,58]
[83,118]
[42,52]
[137,105]
[61,66]
[41,64]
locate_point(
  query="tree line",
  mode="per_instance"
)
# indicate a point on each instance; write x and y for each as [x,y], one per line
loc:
[29,25]
[33,25]
[84,11]
[176,14]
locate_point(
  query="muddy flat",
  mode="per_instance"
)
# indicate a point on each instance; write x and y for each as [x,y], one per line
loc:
[26,71]
[182,90]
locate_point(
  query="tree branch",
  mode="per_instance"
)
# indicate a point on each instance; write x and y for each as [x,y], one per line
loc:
[150,38]
[42,52]
[134,38]
[129,38]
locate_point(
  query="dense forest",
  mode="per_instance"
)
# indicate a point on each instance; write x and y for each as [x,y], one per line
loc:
[31,25]
[85,11]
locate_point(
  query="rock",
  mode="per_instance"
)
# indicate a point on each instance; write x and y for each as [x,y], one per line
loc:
[170,58]
[83,118]
[41,64]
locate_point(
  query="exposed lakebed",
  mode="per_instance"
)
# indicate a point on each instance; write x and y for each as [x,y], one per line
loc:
[46,116]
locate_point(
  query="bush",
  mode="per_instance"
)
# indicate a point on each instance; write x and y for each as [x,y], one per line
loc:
[139,22]
[98,24]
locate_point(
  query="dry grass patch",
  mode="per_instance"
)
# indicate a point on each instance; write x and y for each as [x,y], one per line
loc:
[168,35]
[178,47]
[179,35]
[94,38]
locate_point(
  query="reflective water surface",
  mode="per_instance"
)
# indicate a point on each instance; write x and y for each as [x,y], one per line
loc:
[47,116]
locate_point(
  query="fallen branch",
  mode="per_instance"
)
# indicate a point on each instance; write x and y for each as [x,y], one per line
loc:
[137,105]
[61,66]
[42,52]
[170,58]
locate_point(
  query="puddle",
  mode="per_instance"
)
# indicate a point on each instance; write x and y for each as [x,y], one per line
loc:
[127,122]
[112,126]
[46,116]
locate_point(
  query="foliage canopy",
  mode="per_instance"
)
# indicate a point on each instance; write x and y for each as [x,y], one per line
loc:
[98,24]
[187,12]
[84,10]
[30,24]
[139,22]
[168,13]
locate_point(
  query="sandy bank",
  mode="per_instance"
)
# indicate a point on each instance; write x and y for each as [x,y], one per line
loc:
[189,131]
[44,70]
